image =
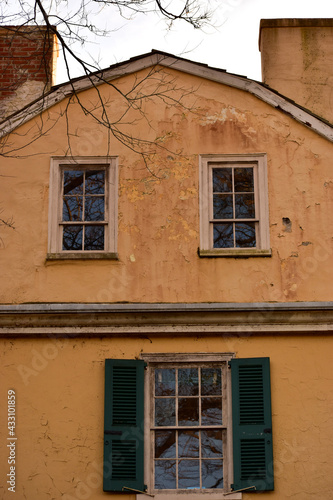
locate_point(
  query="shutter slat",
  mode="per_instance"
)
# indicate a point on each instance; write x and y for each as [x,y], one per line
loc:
[123,425]
[251,417]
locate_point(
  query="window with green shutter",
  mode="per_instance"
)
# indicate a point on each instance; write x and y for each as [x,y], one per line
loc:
[188,425]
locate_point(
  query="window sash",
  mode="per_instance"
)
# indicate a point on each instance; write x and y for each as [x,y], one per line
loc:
[195,428]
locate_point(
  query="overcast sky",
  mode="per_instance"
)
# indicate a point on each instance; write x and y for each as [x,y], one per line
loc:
[231,44]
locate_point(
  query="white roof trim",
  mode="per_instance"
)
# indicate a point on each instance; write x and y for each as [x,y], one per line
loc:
[197,69]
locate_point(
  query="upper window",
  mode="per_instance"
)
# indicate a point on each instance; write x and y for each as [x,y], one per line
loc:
[233,206]
[83,207]
[187,424]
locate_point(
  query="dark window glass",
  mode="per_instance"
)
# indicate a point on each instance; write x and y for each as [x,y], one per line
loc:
[245,234]
[95,181]
[212,474]
[244,206]
[72,208]
[94,238]
[94,208]
[188,384]
[188,444]
[73,182]
[165,444]
[188,411]
[223,236]
[72,237]
[223,206]
[243,179]
[165,474]
[211,381]
[165,412]
[165,382]
[222,180]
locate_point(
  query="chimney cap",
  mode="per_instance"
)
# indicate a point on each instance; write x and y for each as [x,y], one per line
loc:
[295,23]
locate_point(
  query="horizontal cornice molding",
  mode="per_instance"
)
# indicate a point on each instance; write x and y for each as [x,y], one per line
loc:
[94,320]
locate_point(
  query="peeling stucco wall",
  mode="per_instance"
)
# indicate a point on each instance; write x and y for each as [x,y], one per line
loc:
[158,223]
[59,387]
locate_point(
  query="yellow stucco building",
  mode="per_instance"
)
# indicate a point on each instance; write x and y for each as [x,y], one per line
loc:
[166,297]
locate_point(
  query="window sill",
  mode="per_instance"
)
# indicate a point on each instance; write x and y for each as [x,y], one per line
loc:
[82,256]
[209,495]
[235,253]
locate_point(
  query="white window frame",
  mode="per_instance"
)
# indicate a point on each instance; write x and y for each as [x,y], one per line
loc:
[206,165]
[173,360]
[58,165]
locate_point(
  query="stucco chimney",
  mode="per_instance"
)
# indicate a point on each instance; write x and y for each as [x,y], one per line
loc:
[28,57]
[297,61]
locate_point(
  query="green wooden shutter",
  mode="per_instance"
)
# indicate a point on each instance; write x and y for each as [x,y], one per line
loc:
[252,424]
[123,425]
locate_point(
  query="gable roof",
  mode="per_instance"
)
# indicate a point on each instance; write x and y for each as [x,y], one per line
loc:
[154,58]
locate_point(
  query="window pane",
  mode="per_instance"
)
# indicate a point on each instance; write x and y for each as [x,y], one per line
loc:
[211,443]
[244,206]
[94,238]
[211,411]
[72,237]
[95,180]
[165,382]
[94,208]
[188,474]
[212,474]
[245,234]
[222,206]
[223,236]
[165,444]
[188,444]
[222,180]
[165,474]
[188,384]
[188,411]
[165,412]
[73,182]
[72,208]
[243,179]
[211,381]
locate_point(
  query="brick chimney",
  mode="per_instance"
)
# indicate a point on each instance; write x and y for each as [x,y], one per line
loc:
[297,61]
[28,57]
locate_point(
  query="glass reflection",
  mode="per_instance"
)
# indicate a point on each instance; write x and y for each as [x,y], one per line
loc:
[188,474]
[222,180]
[245,234]
[72,237]
[165,382]
[188,444]
[223,235]
[95,180]
[165,444]
[73,182]
[94,208]
[222,206]
[211,443]
[188,411]
[244,206]
[165,413]
[188,384]
[165,474]
[212,473]
[243,179]
[94,238]
[211,411]
[211,381]
[72,208]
